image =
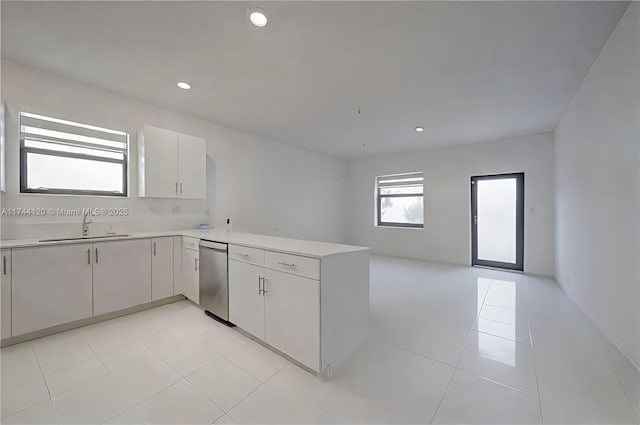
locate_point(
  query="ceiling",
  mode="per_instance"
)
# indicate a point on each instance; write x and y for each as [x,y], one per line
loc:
[341,78]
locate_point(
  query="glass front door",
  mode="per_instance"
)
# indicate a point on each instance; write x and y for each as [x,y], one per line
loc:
[497,225]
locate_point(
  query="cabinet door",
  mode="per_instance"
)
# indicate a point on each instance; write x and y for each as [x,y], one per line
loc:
[121,274]
[192,167]
[3,159]
[292,316]
[5,293]
[246,303]
[177,265]
[158,167]
[161,268]
[50,286]
[190,275]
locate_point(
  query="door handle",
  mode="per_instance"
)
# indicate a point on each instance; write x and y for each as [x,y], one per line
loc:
[264,285]
[154,249]
[259,285]
[96,255]
[89,256]
[4,265]
[176,188]
[475,220]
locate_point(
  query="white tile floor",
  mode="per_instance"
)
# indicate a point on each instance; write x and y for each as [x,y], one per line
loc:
[448,345]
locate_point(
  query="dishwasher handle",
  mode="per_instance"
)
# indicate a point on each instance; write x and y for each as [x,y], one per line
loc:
[213,245]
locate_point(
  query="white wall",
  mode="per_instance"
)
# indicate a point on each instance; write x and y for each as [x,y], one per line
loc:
[597,150]
[264,186]
[446,236]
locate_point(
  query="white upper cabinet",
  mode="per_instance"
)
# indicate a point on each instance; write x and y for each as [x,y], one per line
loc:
[157,164]
[171,164]
[192,171]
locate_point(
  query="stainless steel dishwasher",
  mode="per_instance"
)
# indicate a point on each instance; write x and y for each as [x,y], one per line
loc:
[214,280]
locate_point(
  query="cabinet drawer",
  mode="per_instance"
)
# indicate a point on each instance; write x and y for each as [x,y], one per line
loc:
[190,243]
[294,264]
[246,254]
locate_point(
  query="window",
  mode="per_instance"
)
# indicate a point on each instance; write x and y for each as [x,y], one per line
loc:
[64,157]
[399,200]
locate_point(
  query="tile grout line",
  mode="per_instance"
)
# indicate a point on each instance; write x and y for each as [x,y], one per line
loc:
[32,381]
[205,396]
[502,338]
[113,375]
[44,379]
[254,390]
[249,373]
[498,321]
[221,356]
[97,356]
[78,332]
[615,373]
[606,357]
[424,356]
[502,384]
[516,342]
[183,378]
[500,306]
[154,394]
[435,412]
[455,368]
[141,402]
[535,368]
[224,357]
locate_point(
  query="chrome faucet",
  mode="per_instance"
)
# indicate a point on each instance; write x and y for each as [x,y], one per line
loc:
[85,223]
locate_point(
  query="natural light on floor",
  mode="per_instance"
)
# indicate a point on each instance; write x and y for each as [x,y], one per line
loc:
[498,313]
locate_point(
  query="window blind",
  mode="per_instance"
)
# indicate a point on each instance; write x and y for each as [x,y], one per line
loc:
[401,180]
[38,128]
[65,157]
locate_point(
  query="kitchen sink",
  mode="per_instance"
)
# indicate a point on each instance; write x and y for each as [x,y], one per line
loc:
[82,238]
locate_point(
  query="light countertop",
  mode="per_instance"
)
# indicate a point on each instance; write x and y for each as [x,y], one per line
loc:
[293,246]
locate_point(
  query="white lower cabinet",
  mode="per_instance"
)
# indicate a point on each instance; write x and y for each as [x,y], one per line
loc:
[246,303]
[177,265]
[121,274]
[46,286]
[161,268]
[292,316]
[5,293]
[278,307]
[189,283]
[50,286]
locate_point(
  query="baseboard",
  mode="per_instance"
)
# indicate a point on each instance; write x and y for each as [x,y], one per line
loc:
[452,264]
[595,324]
[88,321]
[280,353]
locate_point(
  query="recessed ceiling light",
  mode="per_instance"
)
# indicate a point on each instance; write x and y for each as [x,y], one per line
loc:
[183,85]
[258,19]
[419,129]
